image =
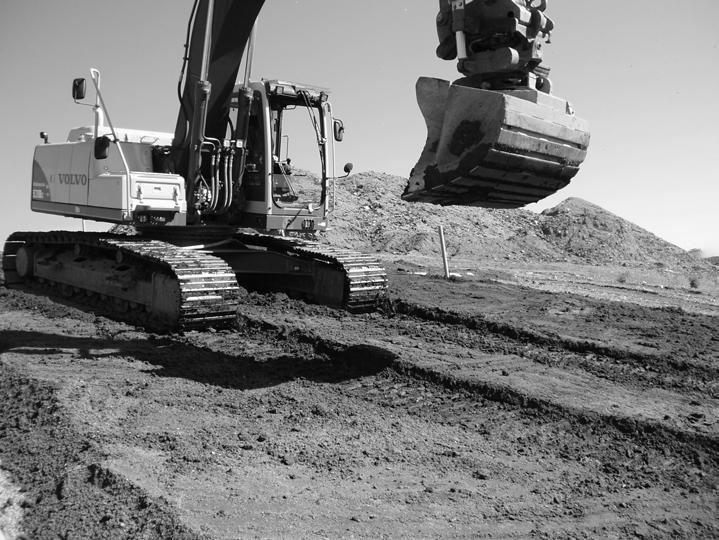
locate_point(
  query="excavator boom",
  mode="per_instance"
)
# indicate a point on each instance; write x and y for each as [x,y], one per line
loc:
[219,32]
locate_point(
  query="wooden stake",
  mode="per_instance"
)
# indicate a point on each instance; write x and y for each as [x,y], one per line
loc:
[444,251]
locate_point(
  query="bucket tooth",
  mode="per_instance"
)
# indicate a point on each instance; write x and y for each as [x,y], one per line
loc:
[497,149]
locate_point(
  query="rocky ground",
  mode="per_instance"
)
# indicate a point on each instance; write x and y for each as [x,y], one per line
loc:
[547,396]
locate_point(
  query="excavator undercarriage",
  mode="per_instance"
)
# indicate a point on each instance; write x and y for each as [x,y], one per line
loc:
[165,286]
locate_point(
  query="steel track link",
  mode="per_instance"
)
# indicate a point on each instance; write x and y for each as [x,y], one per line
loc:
[365,278]
[207,290]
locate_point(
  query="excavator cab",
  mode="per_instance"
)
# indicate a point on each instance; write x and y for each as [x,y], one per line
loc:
[277,196]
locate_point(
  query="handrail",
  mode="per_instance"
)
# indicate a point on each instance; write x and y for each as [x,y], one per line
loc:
[95,75]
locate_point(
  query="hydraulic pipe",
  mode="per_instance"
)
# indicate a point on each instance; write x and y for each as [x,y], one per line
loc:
[214,183]
[458,25]
[227,185]
[245,100]
[230,187]
[199,118]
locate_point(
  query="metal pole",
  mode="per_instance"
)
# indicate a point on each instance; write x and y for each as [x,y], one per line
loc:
[444,252]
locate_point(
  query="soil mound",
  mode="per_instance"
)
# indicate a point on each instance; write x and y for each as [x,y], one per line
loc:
[371,216]
[596,235]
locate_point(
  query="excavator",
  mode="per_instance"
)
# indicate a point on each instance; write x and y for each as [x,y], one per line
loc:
[214,207]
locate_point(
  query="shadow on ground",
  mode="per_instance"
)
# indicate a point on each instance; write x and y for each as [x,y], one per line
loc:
[168,358]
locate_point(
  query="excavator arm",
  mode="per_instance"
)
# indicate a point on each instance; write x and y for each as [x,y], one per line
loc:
[219,32]
[232,22]
[497,137]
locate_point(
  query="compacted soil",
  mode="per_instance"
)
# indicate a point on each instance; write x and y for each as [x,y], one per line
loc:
[470,408]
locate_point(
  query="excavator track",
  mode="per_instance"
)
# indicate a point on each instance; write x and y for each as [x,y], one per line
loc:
[155,283]
[365,278]
[141,281]
[365,281]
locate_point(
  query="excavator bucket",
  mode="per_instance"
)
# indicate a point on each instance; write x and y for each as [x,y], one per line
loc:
[496,149]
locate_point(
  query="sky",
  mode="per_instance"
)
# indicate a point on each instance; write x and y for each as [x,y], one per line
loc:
[643,73]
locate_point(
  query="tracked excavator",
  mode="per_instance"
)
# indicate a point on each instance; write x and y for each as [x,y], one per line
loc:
[214,206]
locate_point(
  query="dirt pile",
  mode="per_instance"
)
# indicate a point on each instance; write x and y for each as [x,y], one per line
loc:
[370,216]
[594,234]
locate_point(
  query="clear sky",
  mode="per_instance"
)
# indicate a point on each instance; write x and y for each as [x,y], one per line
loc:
[643,72]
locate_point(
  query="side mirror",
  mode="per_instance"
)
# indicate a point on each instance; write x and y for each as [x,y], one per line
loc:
[348,168]
[102,147]
[339,129]
[78,89]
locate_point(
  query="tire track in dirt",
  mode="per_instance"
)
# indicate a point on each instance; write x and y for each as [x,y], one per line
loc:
[620,341]
[433,324]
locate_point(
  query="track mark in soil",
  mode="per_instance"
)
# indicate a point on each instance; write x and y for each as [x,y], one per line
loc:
[278,426]
[615,364]
[66,494]
[398,334]
[401,438]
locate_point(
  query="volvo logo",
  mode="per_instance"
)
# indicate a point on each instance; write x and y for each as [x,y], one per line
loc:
[69,179]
